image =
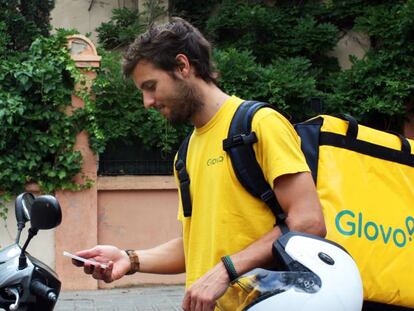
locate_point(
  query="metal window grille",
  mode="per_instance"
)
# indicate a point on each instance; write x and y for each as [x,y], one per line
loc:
[127,158]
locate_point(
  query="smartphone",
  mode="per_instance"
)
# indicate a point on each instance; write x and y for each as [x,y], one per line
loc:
[67,254]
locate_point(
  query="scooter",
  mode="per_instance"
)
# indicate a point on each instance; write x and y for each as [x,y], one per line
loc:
[26,283]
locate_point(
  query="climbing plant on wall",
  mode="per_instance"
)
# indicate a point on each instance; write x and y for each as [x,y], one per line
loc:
[37,137]
[37,79]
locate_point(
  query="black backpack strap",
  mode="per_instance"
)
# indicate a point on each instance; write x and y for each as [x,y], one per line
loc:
[184,179]
[239,146]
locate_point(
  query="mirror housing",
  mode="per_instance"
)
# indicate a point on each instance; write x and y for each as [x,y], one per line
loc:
[45,213]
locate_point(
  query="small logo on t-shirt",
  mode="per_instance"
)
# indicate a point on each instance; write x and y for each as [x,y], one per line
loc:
[214,161]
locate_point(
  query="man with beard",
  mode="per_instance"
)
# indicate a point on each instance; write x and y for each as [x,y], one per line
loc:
[171,65]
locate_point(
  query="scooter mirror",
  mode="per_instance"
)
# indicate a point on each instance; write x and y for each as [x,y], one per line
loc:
[45,212]
[23,206]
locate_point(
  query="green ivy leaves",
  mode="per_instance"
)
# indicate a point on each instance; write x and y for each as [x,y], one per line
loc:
[37,137]
[278,54]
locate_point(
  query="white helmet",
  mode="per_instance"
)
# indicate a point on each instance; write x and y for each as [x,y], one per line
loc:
[317,274]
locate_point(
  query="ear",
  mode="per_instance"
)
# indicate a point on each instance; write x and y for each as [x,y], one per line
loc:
[183,65]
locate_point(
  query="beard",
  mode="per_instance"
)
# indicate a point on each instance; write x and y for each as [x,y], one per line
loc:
[184,104]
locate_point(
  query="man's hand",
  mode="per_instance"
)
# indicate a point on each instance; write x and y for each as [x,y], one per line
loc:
[117,261]
[203,294]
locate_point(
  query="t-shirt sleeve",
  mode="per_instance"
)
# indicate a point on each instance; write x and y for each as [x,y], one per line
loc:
[278,148]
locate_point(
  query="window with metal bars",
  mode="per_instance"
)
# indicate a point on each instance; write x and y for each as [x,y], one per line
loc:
[131,158]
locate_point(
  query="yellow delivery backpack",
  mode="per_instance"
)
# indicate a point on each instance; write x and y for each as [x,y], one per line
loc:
[365,181]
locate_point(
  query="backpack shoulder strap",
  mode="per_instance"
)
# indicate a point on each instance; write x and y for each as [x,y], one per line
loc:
[239,146]
[183,177]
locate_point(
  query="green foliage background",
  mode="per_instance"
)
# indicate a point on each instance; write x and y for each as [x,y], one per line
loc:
[37,79]
[23,20]
[125,24]
[377,86]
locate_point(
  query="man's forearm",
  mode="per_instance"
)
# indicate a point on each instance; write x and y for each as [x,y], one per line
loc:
[296,194]
[258,254]
[167,258]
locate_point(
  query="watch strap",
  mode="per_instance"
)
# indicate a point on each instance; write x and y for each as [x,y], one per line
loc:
[134,259]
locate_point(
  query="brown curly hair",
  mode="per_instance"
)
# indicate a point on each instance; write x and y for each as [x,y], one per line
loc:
[161,44]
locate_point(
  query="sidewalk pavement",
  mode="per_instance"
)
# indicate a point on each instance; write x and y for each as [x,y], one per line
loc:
[148,298]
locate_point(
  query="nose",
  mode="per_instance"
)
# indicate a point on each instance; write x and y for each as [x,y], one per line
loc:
[149,100]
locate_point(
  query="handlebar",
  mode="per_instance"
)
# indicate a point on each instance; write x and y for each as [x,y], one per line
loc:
[41,290]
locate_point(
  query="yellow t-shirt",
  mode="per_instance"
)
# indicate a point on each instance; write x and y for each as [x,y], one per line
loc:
[225,217]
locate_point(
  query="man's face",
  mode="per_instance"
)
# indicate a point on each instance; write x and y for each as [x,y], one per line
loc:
[174,97]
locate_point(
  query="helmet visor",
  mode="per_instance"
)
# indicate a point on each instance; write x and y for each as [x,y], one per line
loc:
[259,284]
